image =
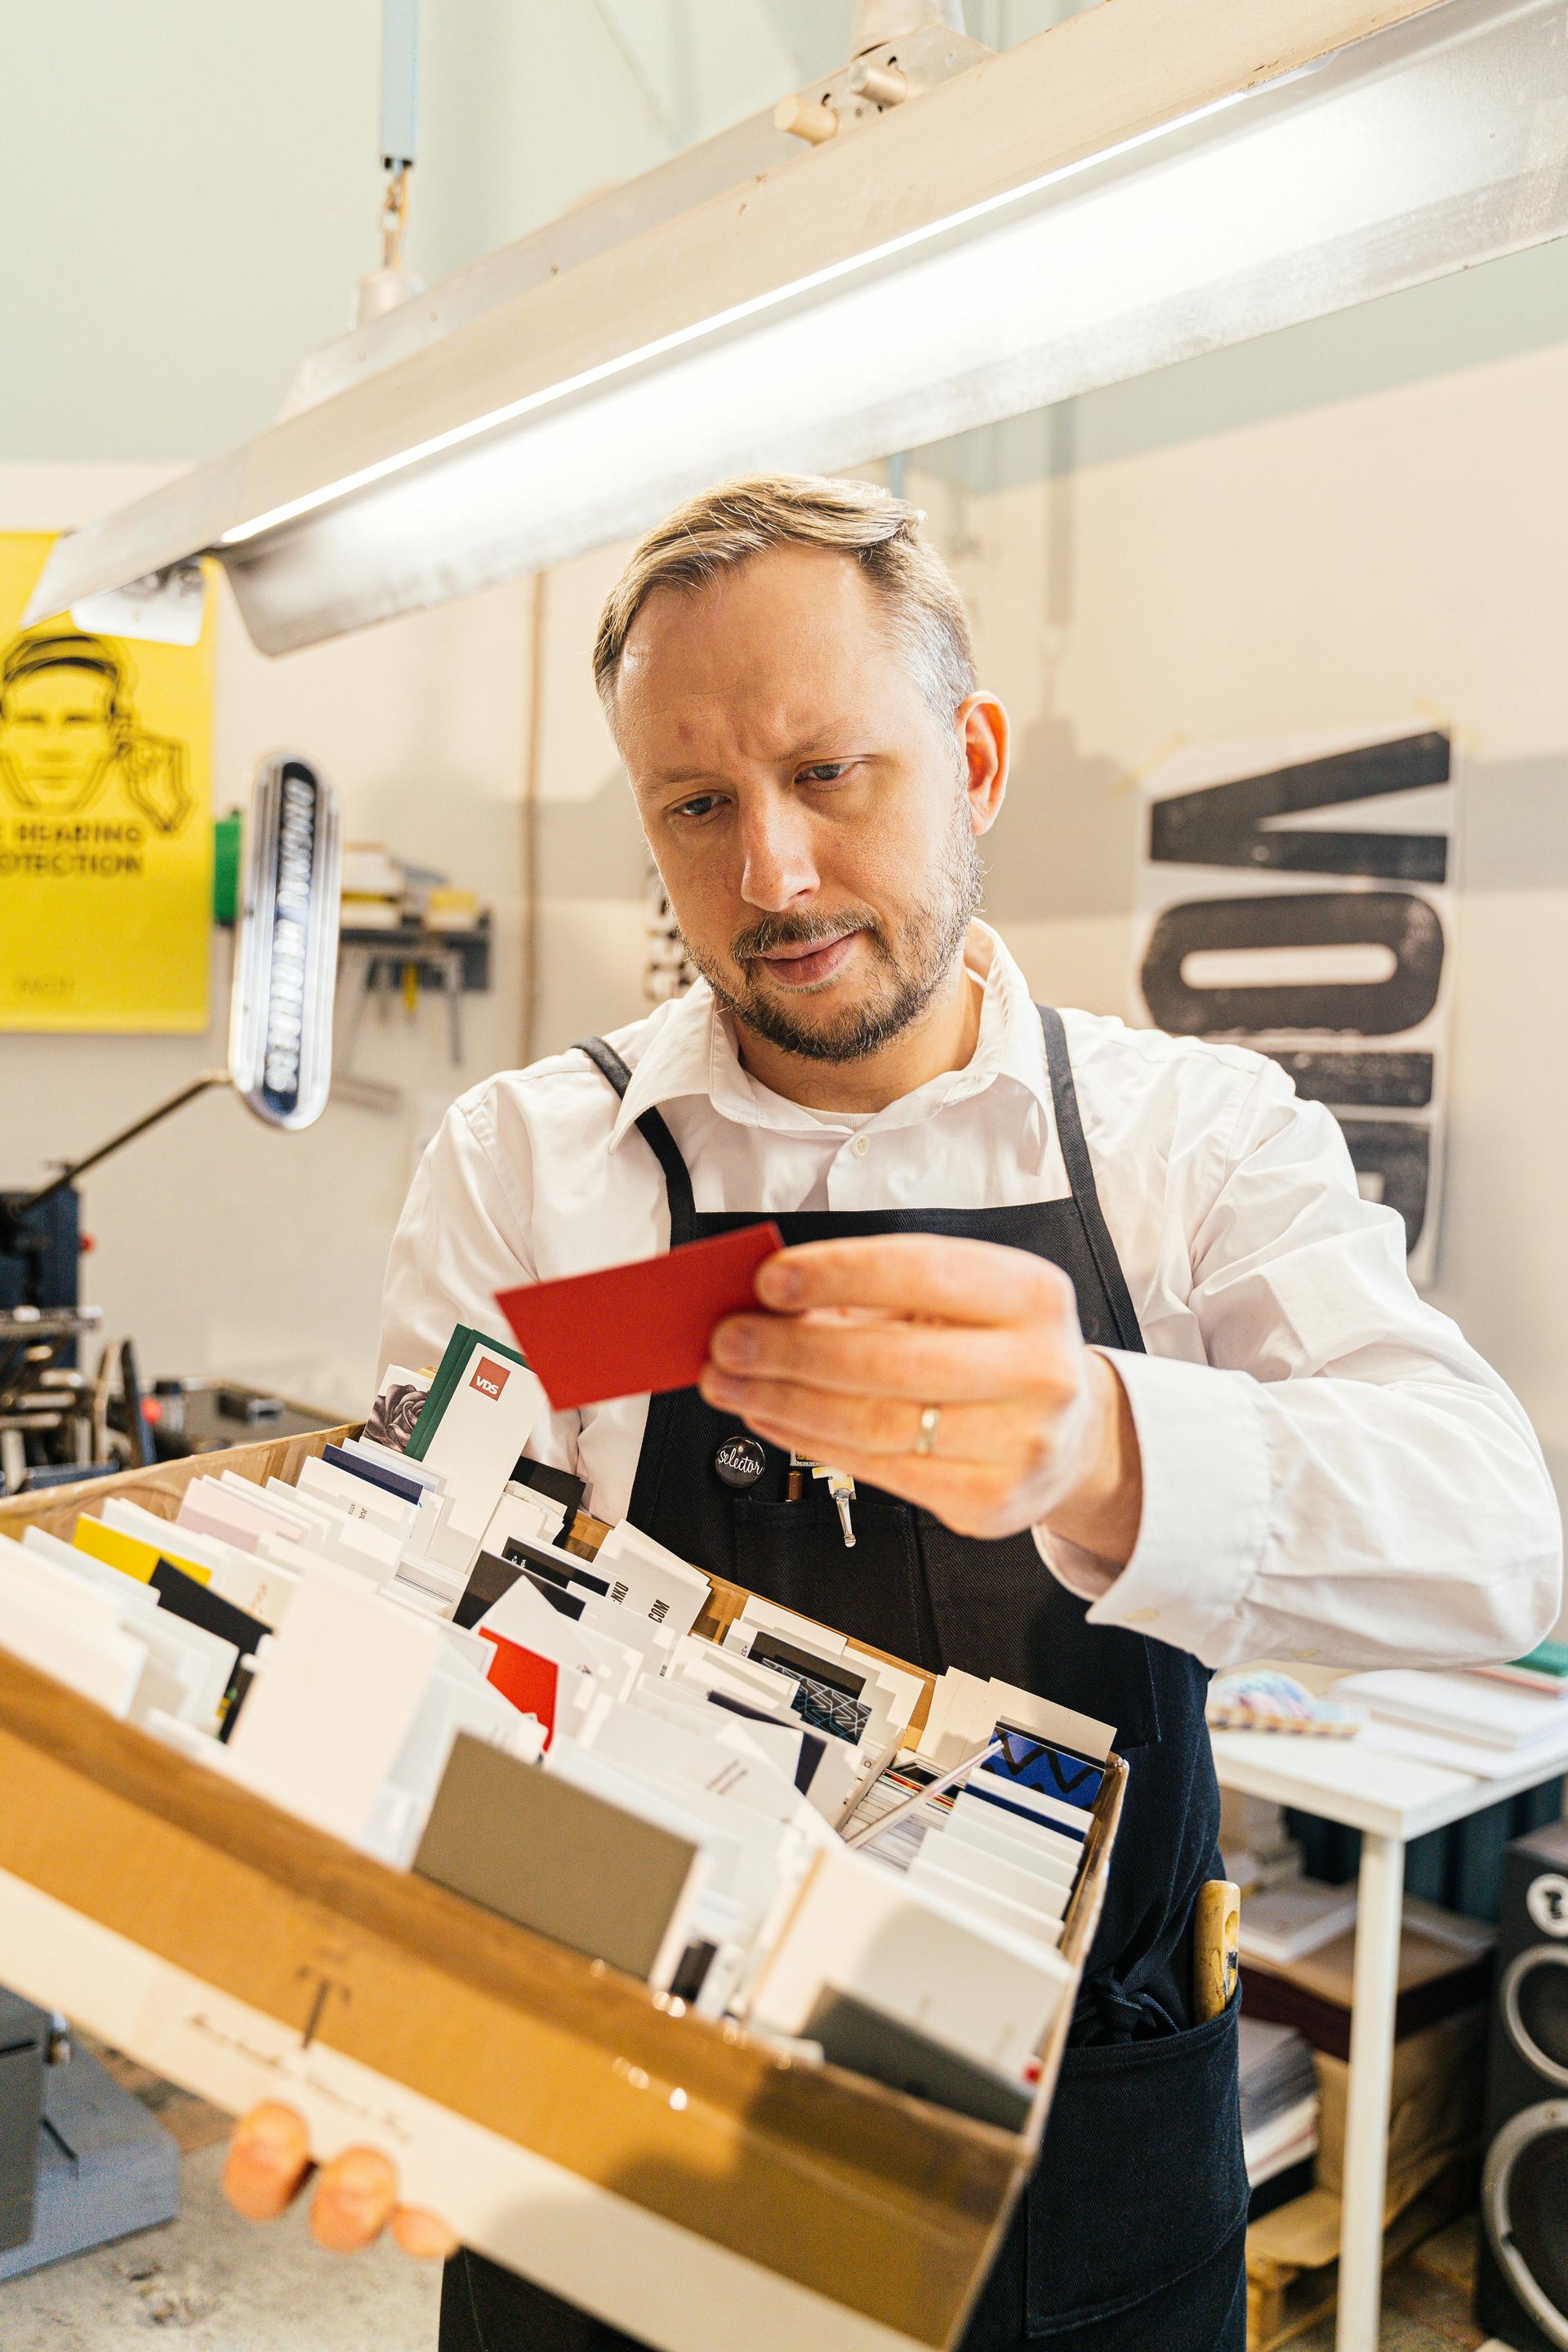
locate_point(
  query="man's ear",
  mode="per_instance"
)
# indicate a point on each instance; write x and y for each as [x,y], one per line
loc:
[985,739]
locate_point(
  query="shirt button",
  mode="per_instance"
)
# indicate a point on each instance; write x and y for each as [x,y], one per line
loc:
[861,1144]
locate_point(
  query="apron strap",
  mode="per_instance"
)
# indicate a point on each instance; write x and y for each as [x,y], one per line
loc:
[657,1135]
[1069,1134]
[1081,1176]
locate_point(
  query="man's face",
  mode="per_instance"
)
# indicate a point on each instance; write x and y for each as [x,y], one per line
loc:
[807,809]
[56,730]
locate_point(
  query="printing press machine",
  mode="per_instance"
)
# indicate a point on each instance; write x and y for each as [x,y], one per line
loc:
[81,2161]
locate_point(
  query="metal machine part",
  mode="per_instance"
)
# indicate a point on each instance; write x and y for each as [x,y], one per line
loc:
[281,1064]
[97,2164]
[281,1029]
[898,50]
[202,1416]
[24,2036]
[392,283]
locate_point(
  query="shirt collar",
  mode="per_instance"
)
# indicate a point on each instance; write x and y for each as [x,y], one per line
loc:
[692,1053]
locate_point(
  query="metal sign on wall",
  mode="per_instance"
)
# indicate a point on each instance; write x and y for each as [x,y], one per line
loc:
[1297,898]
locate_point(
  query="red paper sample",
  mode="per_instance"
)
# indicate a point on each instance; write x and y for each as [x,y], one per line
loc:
[633,1331]
[525,1678]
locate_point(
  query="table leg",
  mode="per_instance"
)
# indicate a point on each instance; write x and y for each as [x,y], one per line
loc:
[1371,2067]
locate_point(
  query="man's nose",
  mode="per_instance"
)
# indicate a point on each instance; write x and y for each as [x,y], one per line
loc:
[780,867]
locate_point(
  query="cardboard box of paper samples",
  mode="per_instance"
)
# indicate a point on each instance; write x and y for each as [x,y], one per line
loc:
[688,2181]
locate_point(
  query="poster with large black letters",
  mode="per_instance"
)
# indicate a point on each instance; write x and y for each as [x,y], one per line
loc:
[1298,898]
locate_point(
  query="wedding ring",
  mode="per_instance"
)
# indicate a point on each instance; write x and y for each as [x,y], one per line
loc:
[930,1417]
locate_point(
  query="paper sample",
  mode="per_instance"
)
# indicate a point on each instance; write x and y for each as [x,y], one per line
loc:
[561,1861]
[631,1331]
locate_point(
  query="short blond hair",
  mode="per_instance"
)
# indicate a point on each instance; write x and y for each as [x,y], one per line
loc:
[737,519]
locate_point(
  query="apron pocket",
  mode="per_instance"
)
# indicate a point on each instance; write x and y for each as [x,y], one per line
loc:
[795,1553]
[1141,2177]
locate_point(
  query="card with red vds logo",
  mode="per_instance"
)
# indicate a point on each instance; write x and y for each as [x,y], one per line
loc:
[633,1331]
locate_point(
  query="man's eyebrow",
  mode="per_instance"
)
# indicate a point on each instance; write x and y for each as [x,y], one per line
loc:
[812,749]
[683,775]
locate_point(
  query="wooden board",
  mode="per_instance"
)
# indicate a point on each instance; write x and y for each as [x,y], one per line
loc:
[1286,2298]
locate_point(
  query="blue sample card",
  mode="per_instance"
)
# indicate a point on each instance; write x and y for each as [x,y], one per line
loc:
[1056,1772]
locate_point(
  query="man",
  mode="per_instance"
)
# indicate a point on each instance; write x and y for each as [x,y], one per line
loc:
[69,731]
[1129,1380]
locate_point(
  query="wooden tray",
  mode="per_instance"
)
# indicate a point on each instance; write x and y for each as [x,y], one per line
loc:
[677,2177]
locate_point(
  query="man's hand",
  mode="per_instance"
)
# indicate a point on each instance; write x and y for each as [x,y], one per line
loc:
[357,2194]
[1033,1427]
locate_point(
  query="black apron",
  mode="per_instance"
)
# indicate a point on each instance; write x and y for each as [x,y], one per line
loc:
[1129,2238]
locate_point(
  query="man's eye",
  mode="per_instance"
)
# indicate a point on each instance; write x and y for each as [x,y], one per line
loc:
[824,771]
[703,805]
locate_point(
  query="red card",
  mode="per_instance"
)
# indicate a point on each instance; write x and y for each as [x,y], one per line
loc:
[633,1329]
[525,1678]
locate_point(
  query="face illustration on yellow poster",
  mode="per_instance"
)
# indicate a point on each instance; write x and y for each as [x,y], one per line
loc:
[105,820]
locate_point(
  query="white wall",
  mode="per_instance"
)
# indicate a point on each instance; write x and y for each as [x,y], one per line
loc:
[192,190]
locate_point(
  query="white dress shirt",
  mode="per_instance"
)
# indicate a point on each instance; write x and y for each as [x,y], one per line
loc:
[1330,1472]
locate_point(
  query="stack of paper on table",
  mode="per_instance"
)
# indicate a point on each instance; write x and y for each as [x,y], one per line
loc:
[1296,1917]
[1544,1671]
[1278,2099]
[1466,1721]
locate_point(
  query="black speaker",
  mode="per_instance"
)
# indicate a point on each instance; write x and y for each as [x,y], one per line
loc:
[1521,2282]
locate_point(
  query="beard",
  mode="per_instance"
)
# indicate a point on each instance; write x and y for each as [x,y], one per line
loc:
[910,964]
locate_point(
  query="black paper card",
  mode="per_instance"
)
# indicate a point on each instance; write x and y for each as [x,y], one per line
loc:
[187,1597]
[487,1580]
[559,1484]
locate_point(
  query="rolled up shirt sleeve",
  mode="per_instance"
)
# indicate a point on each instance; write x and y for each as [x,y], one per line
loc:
[1343,1479]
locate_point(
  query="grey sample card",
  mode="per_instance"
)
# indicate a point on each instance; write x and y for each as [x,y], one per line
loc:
[868,2041]
[554,1858]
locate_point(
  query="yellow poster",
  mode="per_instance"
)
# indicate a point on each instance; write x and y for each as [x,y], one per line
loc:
[105,820]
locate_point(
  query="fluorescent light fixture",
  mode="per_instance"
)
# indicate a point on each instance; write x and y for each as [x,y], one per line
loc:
[1141,183]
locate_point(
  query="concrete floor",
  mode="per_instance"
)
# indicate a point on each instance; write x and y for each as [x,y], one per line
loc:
[216,2284]
[221,2286]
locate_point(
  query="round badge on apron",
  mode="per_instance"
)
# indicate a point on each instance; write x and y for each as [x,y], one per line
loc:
[741,1461]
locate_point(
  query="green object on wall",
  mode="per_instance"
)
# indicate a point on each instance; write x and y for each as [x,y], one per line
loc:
[226,867]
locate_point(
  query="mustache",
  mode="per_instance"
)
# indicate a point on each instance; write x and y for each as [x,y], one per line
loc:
[776,931]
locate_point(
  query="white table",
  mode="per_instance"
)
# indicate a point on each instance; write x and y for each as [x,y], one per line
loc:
[1391,1800]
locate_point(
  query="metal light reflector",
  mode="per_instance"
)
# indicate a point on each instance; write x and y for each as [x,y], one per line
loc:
[280,1031]
[1146,182]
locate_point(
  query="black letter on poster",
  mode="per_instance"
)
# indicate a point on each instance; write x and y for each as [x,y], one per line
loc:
[1396,920]
[1230,825]
[1237,824]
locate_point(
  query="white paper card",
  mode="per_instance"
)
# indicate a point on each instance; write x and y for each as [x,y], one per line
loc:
[324,1723]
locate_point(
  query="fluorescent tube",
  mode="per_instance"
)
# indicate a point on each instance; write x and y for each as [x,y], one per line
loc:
[1143,183]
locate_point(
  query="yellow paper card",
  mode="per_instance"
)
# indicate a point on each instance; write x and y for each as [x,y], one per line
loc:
[116,1550]
[130,1553]
[105,820]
